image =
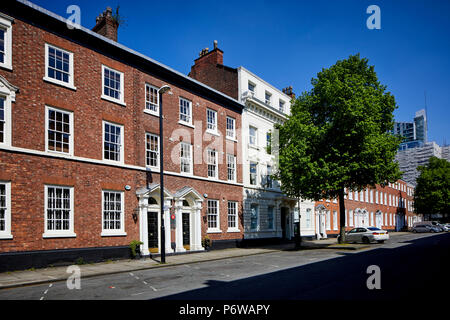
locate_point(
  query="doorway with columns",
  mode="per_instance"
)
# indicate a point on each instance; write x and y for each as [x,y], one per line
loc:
[186,205]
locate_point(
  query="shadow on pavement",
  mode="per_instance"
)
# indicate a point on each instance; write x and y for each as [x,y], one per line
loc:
[415,271]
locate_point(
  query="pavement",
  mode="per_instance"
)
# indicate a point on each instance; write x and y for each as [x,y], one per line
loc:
[53,274]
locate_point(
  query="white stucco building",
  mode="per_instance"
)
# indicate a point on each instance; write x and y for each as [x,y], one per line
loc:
[268,213]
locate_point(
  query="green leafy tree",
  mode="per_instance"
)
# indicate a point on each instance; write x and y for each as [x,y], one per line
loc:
[338,136]
[432,192]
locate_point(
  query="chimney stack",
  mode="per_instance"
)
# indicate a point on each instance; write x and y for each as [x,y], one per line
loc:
[288,91]
[106,25]
[213,57]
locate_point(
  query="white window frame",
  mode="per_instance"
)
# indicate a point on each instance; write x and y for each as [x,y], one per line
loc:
[59,233]
[213,126]
[371,196]
[190,158]
[233,214]
[233,168]
[121,100]
[149,104]
[268,176]
[122,144]
[255,137]
[269,99]
[6,25]
[250,173]
[147,136]
[385,199]
[71,72]
[7,119]
[308,218]
[253,85]
[257,217]
[350,195]
[233,130]
[114,232]
[335,220]
[6,234]
[281,106]
[71,130]
[217,214]
[189,105]
[328,220]
[212,160]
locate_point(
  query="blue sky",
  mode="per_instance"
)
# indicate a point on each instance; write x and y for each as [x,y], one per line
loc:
[288,42]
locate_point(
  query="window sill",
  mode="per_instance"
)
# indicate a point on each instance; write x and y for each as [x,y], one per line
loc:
[213,133]
[67,154]
[233,230]
[186,124]
[113,234]
[213,231]
[6,236]
[153,113]
[60,83]
[59,235]
[113,161]
[119,102]
[252,146]
[231,139]
[6,66]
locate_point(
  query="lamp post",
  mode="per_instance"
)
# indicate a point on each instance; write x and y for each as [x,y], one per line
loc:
[161,91]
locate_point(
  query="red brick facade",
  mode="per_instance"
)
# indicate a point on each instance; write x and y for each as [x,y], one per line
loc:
[393,202]
[209,69]
[28,167]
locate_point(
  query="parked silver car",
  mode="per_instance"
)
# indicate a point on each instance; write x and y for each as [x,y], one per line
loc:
[367,235]
[425,228]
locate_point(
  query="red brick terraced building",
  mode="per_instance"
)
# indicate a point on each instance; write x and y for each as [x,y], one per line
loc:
[79,147]
[389,208]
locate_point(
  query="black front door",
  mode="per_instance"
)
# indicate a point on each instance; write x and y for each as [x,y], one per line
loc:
[186,232]
[153,231]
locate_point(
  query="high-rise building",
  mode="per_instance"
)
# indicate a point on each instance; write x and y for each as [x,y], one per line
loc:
[414,133]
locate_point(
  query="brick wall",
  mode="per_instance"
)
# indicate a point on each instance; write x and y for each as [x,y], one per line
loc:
[29,173]
[352,205]
[209,69]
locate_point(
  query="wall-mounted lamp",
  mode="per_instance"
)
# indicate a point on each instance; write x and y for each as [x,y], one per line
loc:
[135,214]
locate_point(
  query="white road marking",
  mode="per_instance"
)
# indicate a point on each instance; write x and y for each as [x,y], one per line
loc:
[45,292]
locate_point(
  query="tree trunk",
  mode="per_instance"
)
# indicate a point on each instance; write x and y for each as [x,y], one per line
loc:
[298,237]
[342,238]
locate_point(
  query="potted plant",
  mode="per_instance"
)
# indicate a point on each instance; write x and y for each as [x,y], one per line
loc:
[135,248]
[206,242]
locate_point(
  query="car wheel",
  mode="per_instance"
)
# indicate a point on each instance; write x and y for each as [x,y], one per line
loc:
[365,240]
[380,241]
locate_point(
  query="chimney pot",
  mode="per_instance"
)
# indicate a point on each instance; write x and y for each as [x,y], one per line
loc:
[105,25]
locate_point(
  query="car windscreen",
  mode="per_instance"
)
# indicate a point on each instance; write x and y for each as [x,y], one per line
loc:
[373,228]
